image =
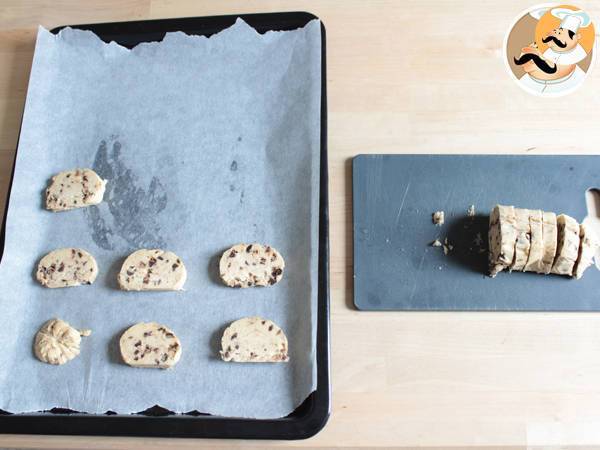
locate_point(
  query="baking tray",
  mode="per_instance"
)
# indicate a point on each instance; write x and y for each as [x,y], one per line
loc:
[395,266]
[310,417]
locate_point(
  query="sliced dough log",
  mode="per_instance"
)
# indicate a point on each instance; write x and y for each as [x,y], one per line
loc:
[150,345]
[587,250]
[502,238]
[523,243]
[254,339]
[74,189]
[67,267]
[152,270]
[567,249]
[536,251]
[57,342]
[247,265]
[550,238]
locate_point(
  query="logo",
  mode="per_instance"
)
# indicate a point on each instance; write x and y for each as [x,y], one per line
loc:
[549,49]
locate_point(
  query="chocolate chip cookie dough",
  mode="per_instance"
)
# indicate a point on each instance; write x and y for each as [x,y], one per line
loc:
[248,265]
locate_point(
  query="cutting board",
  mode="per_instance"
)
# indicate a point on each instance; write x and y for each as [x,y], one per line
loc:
[395,266]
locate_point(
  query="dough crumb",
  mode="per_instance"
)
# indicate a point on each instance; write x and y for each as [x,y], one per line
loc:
[438,218]
[436,243]
[448,247]
[471,211]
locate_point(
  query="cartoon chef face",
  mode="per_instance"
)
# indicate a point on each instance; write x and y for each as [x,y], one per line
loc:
[562,39]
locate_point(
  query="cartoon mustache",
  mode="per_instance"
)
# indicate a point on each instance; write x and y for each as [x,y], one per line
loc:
[537,60]
[555,40]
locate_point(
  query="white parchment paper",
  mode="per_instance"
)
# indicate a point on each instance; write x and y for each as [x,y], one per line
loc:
[205,142]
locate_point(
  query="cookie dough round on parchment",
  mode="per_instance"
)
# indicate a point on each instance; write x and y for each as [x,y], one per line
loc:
[152,270]
[254,339]
[57,342]
[150,345]
[66,267]
[74,189]
[247,265]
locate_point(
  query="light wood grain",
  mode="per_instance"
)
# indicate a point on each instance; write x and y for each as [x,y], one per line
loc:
[403,77]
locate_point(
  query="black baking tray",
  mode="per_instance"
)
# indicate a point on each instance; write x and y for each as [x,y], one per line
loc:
[310,417]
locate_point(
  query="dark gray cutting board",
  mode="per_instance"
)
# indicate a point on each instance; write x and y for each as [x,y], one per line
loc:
[395,268]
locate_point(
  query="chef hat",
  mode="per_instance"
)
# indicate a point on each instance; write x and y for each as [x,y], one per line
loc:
[538,13]
[572,20]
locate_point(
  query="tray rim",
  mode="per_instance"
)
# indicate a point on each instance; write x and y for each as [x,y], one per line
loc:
[312,415]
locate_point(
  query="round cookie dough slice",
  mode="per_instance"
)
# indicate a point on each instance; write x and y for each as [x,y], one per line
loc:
[66,267]
[523,244]
[247,265]
[152,270]
[587,250]
[74,189]
[502,238]
[150,345]
[536,251]
[567,249]
[254,339]
[57,342]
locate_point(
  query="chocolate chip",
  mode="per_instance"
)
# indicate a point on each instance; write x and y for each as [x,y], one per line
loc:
[233,336]
[249,248]
[174,266]
[146,334]
[161,258]
[151,261]
[61,267]
[137,344]
[270,327]
[130,272]
[164,357]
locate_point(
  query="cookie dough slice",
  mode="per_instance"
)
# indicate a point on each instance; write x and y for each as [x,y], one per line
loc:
[502,238]
[254,339]
[152,270]
[247,265]
[67,267]
[567,249]
[550,238]
[523,243]
[57,342]
[536,251]
[587,250]
[150,345]
[74,189]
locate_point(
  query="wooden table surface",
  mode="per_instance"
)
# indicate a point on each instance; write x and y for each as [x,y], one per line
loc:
[414,76]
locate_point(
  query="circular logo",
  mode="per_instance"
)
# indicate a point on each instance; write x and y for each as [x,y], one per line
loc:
[549,49]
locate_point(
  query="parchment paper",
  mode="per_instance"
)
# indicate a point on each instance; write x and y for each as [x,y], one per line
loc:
[205,142]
